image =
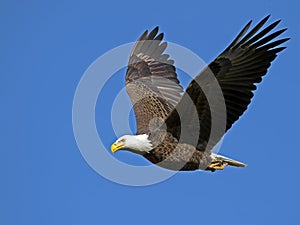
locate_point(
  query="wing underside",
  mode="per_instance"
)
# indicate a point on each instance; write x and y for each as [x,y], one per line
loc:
[238,69]
[151,81]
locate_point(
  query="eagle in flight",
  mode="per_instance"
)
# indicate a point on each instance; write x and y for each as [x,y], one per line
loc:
[174,128]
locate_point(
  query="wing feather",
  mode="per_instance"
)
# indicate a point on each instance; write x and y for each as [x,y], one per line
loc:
[151,80]
[238,69]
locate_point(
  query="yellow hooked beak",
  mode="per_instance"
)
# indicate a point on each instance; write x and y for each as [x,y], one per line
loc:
[116,146]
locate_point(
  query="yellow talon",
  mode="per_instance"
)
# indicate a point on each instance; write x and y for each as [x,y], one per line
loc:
[217,166]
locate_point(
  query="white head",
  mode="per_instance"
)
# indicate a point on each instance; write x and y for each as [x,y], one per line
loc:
[135,143]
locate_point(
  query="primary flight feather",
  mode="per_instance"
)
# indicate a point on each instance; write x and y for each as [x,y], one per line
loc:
[174,128]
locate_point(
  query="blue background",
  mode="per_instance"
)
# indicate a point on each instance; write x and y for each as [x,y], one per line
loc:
[45,48]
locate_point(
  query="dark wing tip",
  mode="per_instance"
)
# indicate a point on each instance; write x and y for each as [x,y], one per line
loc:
[153,33]
[279,49]
[159,37]
[284,40]
[277,22]
[267,17]
[143,36]
[249,23]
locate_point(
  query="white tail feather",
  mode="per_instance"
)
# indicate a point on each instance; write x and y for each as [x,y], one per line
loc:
[228,161]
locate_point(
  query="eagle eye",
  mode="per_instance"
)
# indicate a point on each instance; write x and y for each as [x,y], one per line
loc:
[122,140]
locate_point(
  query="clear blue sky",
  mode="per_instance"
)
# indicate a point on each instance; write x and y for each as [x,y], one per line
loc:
[45,48]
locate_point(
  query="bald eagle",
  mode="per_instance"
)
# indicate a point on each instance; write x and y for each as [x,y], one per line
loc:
[162,109]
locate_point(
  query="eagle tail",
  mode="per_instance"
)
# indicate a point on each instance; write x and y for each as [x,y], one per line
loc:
[219,162]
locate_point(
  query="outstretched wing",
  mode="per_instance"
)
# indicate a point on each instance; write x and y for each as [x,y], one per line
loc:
[238,69]
[151,81]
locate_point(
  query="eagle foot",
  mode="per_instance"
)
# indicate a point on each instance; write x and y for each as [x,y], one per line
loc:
[217,166]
